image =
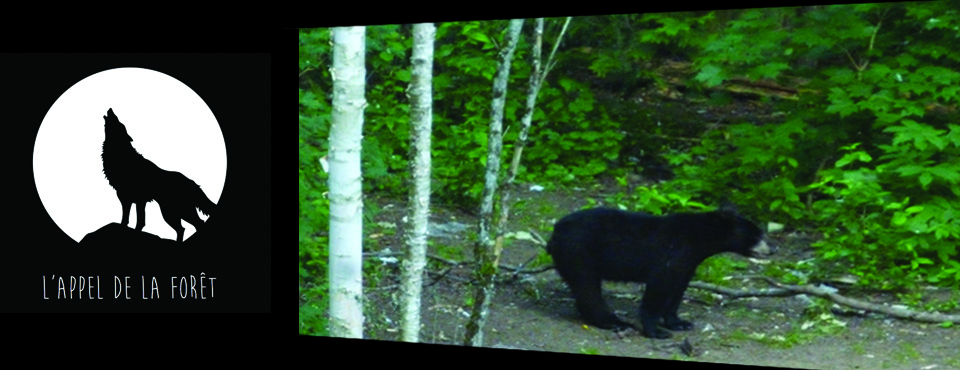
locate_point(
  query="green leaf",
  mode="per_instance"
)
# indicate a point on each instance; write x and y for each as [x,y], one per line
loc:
[909,170]
[906,60]
[850,147]
[950,92]
[946,171]
[954,135]
[480,37]
[770,70]
[711,75]
[850,157]
[925,179]
[310,100]
[403,75]
[899,219]
[841,103]
[775,204]
[921,135]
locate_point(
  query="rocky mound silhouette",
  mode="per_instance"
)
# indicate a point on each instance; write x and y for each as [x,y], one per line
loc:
[117,234]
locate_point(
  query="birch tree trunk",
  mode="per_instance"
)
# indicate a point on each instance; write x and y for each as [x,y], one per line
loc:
[536,81]
[415,233]
[346,203]
[486,268]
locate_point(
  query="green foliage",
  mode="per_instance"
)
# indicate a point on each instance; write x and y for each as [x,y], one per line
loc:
[313,313]
[314,206]
[717,269]
[893,220]
[747,164]
[867,154]
[463,80]
[652,199]
[918,299]
[314,218]
[453,253]
[888,208]
[589,351]
[587,140]
[793,337]
[386,129]
[751,45]
[464,67]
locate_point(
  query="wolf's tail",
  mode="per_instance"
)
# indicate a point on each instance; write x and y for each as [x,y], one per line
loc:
[190,193]
[203,203]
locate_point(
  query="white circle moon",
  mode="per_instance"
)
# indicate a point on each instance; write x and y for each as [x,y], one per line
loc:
[170,125]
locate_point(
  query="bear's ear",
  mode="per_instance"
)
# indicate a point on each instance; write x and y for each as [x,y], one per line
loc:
[727,207]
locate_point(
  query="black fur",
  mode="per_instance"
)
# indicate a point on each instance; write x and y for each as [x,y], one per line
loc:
[599,244]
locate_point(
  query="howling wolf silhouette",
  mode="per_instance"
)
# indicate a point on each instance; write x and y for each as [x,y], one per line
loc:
[138,181]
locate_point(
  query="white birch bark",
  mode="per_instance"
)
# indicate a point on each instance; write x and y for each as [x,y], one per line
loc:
[486,266]
[346,203]
[420,93]
[536,81]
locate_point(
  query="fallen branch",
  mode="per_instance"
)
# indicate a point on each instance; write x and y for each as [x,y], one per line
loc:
[519,269]
[783,290]
[735,293]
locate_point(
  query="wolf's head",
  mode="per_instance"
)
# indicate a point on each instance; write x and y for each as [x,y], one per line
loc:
[113,129]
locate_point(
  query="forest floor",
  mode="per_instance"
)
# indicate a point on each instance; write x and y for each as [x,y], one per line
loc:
[536,311]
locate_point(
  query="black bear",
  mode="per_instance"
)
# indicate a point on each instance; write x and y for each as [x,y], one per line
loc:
[598,244]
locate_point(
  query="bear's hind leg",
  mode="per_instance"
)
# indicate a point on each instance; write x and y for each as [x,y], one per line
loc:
[670,319]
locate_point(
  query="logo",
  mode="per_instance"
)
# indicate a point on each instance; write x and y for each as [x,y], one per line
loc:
[131,147]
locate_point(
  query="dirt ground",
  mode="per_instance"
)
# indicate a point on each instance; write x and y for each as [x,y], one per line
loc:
[536,311]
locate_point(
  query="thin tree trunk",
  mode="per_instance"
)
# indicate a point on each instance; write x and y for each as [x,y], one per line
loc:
[415,234]
[486,269]
[346,204]
[536,80]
